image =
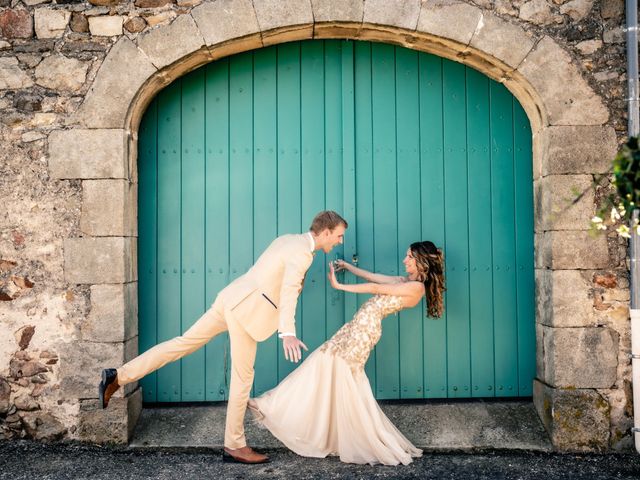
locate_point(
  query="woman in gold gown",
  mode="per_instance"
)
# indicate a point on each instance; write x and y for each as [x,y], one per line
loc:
[326,406]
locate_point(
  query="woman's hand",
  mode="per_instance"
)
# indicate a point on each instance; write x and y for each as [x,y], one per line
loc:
[332,277]
[340,265]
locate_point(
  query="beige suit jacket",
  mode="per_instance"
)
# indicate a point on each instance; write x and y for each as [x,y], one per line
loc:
[264,299]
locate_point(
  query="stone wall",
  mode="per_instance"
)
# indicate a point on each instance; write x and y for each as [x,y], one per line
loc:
[68,184]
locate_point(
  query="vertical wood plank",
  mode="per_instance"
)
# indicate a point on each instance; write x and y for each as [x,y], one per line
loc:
[480,260]
[289,171]
[333,168]
[456,225]
[217,360]
[503,226]
[409,213]
[147,238]
[193,228]
[349,166]
[433,210]
[265,192]
[312,102]
[169,219]
[385,207]
[525,283]
[364,174]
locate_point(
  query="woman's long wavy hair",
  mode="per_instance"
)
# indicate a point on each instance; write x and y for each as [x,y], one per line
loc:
[430,265]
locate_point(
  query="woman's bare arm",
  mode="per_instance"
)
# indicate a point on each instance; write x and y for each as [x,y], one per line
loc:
[368,276]
[410,291]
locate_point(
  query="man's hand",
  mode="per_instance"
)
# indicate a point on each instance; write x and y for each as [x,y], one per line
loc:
[291,346]
[332,277]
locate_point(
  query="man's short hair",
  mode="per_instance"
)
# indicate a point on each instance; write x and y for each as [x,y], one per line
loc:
[327,220]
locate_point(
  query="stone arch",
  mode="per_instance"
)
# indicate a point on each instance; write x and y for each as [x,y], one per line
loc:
[571,141]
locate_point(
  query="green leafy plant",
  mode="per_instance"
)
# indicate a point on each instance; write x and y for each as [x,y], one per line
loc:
[617,207]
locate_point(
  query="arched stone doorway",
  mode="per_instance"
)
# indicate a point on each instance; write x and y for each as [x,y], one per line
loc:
[536,71]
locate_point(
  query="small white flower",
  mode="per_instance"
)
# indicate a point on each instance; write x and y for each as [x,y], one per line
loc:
[596,219]
[623,231]
[622,210]
[614,214]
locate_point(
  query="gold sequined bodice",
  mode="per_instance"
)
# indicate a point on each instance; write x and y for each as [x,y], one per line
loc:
[355,339]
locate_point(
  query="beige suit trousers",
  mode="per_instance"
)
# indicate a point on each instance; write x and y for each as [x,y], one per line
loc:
[243,355]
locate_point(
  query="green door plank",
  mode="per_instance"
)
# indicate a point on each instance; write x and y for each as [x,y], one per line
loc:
[525,280]
[169,264]
[333,168]
[241,191]
[385,208]
[409,230]
[217,217]
[363,221]
[504,274]
[480,260]
[349,166]
[457,235]
[265,193]
[147,227]
[433,208]
[289,211]
[241,163]
[193,228]
[312,101]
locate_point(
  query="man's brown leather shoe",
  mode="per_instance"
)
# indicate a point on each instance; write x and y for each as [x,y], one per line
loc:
[243,455]
[108,386]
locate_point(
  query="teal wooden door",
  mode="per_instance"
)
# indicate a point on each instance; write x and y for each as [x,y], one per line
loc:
[407,145]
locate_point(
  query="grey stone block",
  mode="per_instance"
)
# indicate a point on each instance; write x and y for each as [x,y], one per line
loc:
[505,41]
[565,298]
[112,425]
[61,73]
[81,364]
[580,357]
[50,23]
[122,73]
[114,313]
[578,149]
[226,20]
[100,260]
[449,19]
[393,13]
[558,204]
[338,10]
[282,21]
[81,153]
[109,208]
[566,250]
[172,42]
[106,25]
[576,420]
[551,71]
[539,351]
[12,76]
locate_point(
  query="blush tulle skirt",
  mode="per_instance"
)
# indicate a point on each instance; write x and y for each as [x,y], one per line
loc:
[324,408]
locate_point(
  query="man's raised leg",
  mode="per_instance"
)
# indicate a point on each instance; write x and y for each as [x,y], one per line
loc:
[210,324]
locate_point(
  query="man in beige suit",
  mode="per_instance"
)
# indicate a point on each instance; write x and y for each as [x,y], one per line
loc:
[251,309]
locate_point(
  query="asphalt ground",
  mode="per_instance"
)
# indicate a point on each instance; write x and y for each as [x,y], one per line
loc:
[29,460]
